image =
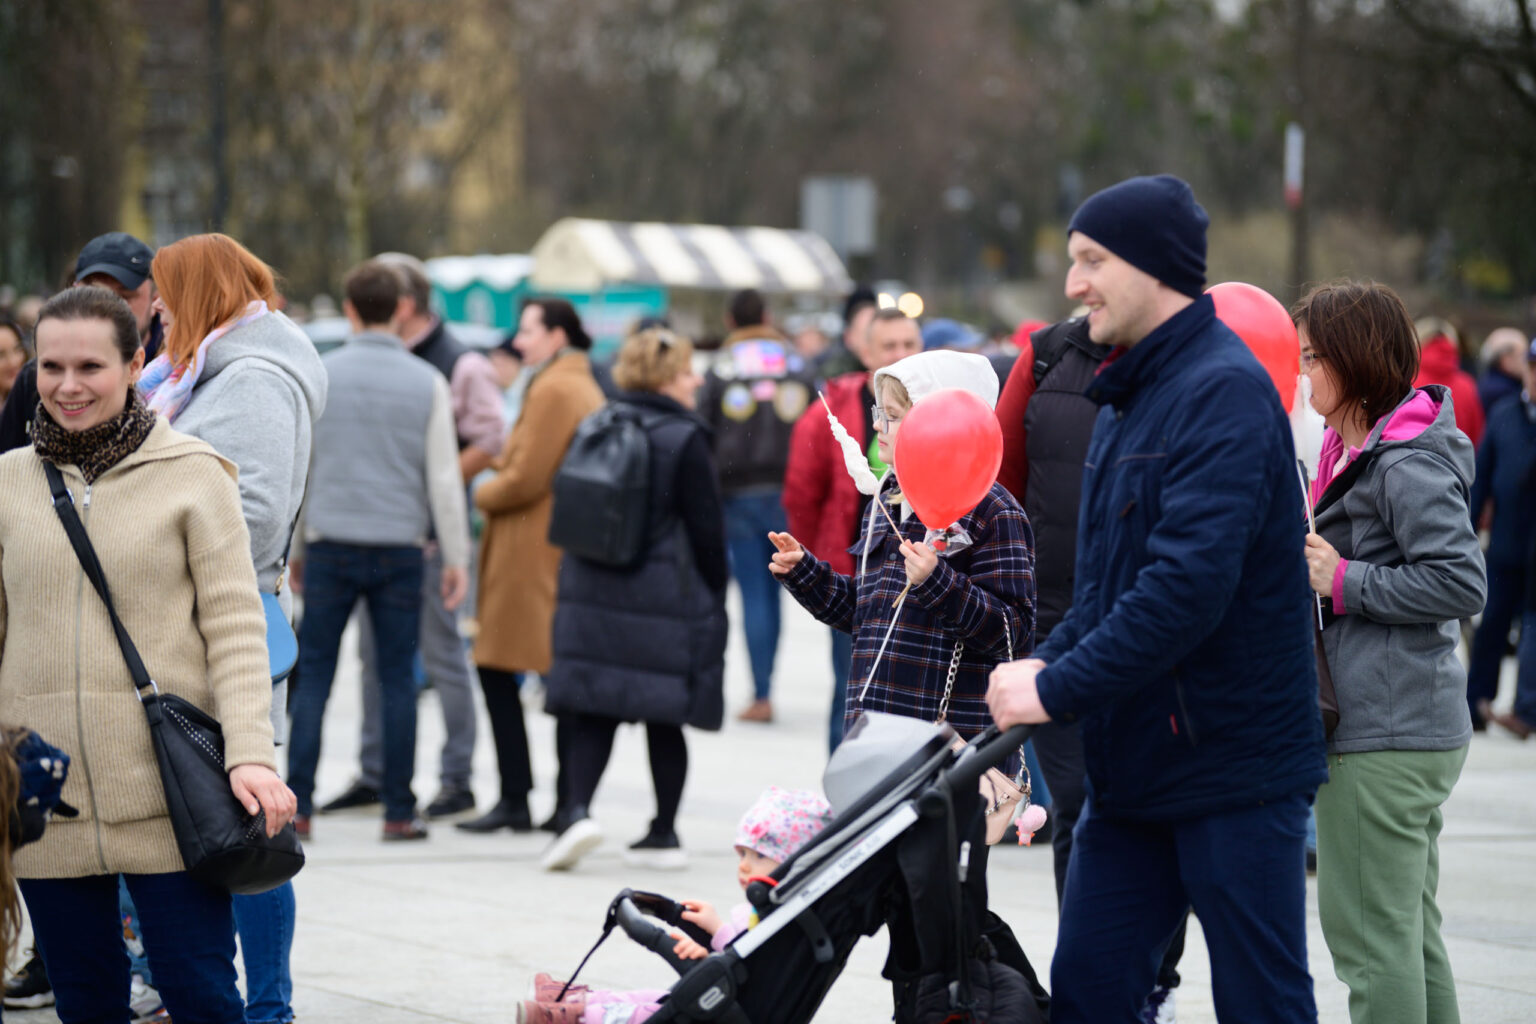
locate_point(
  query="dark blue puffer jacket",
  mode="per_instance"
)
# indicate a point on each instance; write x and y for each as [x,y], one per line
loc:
[1188,652]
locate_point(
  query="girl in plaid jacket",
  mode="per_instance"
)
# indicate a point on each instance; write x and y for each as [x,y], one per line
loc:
[964,613]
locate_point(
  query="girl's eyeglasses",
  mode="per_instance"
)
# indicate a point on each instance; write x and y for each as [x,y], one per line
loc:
[1309,360]
[881,419]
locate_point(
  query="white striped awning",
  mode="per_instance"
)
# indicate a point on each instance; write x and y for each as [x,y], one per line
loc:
[576,254]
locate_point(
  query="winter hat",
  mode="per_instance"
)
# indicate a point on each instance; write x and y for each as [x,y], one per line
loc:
[782,821]
[943,333]
[1154,224]
[927,372]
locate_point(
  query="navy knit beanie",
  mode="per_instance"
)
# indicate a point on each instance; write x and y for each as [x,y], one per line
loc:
[1153,224]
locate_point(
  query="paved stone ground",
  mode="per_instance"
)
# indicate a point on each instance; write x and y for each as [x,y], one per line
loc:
[452,929]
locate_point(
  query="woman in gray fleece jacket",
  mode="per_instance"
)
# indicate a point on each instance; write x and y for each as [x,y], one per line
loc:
[1397,565]
[251,384]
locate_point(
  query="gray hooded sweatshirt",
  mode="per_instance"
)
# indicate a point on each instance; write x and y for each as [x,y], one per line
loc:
[262,388]
[1397,514]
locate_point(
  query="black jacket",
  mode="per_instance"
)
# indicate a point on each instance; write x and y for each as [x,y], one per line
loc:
[1058,424]
[648,643]
[443,351]
[756,388]
[20,407]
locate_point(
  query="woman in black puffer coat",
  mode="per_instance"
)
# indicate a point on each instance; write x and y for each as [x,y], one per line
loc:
[645,643]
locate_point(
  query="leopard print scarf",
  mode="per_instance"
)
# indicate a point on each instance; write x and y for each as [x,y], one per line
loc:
[99,448]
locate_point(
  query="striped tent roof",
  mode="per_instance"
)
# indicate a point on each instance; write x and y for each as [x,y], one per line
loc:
[576,254]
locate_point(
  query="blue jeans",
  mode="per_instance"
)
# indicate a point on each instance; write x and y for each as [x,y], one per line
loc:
[388,579]
[265,924]
[1506,600]
[1130,885]
[842,667]
[189,931]
[748,520]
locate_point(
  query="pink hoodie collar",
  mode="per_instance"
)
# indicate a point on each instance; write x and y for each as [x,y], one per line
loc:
[1407,421]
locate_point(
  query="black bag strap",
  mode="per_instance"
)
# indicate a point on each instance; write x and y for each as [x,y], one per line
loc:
[64,505]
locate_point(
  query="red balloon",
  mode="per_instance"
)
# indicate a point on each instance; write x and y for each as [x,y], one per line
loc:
[1264,325]
[948,451]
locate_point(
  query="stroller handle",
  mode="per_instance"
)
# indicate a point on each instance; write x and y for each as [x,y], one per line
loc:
[988,750]
[647,932]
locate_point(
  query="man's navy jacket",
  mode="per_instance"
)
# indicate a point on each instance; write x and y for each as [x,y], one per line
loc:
[1188,651]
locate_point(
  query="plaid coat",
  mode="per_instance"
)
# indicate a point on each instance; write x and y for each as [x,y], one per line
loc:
[969,597]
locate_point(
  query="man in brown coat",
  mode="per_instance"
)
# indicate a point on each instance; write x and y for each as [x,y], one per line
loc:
[518,566]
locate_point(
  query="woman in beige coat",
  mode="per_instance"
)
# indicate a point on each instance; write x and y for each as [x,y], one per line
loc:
[163,513]
[518,565]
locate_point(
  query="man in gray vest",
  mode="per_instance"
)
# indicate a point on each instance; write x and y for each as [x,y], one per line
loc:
[385,475]
[477,408]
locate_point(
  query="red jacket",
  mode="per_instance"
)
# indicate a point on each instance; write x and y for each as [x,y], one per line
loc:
[1013,474]
[820,499]
[1438,364]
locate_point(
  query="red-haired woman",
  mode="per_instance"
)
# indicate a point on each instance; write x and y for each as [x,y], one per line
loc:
[241,376]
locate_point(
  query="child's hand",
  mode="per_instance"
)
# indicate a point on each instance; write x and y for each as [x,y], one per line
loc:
[787,557]
[687,948]
[921,561]
[702,914]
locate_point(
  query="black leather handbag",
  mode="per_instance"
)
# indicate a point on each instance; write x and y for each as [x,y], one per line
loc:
[220,843]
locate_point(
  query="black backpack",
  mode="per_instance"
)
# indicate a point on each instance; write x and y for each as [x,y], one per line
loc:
[602,489]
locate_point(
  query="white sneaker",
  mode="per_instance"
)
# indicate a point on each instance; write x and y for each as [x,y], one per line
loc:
[143,1001]
[579,839]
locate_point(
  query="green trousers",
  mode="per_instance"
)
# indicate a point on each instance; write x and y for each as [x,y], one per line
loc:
[1378,865]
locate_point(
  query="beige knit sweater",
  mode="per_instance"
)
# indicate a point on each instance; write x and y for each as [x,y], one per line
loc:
[167,526]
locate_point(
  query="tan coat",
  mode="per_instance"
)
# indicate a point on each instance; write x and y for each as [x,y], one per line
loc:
[167,526]
[518,565]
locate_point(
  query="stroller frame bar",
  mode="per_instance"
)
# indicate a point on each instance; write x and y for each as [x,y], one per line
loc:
[813,889]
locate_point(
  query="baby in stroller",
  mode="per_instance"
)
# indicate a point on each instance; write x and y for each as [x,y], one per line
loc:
[772,830]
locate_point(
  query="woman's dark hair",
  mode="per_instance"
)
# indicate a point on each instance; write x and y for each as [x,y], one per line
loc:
[1364,334]
[560,313]
[8,324]
[88,302]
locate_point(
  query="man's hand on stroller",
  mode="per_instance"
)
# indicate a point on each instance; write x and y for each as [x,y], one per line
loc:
[702,914]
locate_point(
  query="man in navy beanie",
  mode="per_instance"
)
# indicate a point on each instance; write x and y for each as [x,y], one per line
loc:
[1187,653]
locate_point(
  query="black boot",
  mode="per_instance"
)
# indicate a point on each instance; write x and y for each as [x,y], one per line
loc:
[506,814]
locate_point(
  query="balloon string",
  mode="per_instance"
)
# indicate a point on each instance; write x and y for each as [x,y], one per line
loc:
[888,631]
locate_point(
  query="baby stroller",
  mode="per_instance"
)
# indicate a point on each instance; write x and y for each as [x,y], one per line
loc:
[907,854]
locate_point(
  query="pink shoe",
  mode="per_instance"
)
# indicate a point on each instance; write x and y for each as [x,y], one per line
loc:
[546,989]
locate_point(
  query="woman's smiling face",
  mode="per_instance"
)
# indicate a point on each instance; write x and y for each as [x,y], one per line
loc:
[82,379]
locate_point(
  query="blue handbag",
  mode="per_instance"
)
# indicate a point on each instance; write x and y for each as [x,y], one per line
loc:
[282,645]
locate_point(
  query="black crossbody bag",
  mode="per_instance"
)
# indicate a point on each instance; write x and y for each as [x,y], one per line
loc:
[221,845]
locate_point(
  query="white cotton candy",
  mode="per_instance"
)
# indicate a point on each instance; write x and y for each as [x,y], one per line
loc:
[1306,427]
[857,462]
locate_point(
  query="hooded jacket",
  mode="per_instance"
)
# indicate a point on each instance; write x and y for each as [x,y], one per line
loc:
[982,595]
[1187,652]
[1410,569]
[262,388]
[166,525]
